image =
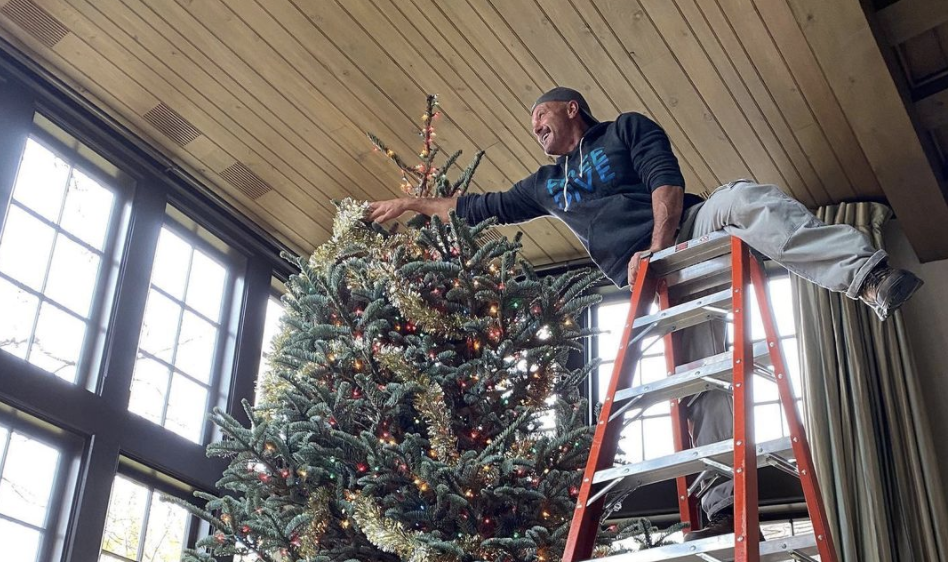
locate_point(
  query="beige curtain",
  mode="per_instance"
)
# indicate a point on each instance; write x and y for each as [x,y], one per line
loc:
[866,420]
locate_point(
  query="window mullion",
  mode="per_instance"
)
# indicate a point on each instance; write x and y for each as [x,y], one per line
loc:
[6,450]
[124,327]
[144,532]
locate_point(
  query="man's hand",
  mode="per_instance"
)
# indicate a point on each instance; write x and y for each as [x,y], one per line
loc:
[634,263]
[382,211]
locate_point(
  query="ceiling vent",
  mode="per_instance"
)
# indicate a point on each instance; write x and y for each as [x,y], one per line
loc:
[36,21]
[243,178]
[170,123]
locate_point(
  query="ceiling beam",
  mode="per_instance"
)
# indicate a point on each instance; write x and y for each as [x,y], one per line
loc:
[909,18]
[842,41]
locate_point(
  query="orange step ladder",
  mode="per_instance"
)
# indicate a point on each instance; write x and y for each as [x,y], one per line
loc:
[722,269]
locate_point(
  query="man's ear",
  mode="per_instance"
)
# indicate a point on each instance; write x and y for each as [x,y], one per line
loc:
[572,108]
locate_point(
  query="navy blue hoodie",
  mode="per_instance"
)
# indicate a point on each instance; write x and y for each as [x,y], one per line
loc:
[607,201]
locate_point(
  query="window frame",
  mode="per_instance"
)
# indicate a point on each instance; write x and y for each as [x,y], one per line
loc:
[95,414]
[89,364]
[61,492]
[223,351]
[156,483]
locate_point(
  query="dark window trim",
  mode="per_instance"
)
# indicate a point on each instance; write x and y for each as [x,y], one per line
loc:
[98,416]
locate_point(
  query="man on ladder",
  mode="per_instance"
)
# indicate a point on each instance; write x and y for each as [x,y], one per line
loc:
[619,188]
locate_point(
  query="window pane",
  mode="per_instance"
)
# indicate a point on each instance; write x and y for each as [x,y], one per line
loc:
[20,544]
[167,525]
[187,406]
[653,345]
[630,444]
[767,422]
[196,343]
[41,180]
[663,407]
[27,480]
[19,311]
[160,325]
[757,324]
[58,342]
[149,385]
[611,317]
[765,390]
[123,524]
[781,297]
[605,376]
[658,437]
[653,369]
[792,359]
[172,259]
[88,210]
[163,531]
[72,276]
[25,247]
[270,330]
[206,286]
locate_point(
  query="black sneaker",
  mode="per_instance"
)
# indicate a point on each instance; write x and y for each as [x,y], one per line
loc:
[722,523]
[886,289]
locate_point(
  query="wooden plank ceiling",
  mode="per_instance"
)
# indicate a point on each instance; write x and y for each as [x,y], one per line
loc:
[268,101]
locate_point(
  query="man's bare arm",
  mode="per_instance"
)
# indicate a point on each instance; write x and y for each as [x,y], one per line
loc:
[666,210]
[381,211]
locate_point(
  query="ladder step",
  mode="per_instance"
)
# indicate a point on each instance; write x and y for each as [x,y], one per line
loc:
[687,462]
[708,275]
[691,252]
[719,548]
[691,381]
[686,314]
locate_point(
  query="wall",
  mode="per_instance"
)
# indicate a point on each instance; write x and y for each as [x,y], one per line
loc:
[926,320]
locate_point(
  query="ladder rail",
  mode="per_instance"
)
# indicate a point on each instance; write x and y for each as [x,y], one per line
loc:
[585,522]
[687,502]
[689,265]
[746,516]
[801,447]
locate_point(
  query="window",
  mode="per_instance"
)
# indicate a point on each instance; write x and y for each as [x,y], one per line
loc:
[28,470]
[270,330]
[52,249]
[651,435]
[178,353]
[141,527]
[83,206]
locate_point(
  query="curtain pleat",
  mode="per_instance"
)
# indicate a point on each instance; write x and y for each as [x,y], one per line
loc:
[866,420]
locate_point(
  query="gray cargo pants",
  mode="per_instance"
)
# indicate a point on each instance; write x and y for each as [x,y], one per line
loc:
[835,257]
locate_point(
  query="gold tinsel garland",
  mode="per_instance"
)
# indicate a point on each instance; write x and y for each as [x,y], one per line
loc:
[413,307]
[389,535]
[430,402]
[318,506]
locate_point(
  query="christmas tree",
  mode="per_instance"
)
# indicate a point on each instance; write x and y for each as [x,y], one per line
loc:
[404,415]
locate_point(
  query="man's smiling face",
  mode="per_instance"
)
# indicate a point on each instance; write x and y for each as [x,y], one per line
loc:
[553,126]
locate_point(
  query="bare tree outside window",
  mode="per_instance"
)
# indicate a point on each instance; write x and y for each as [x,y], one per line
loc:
[140,527]
[172,380]
[51,251]
[27,470]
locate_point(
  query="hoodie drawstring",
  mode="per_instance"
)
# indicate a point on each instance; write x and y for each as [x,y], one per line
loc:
[566,173]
